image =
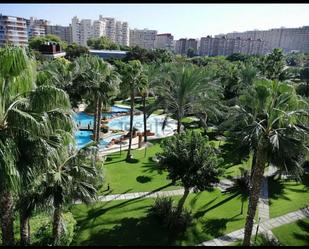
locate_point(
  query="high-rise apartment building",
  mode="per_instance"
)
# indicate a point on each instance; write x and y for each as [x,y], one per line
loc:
[164,41]
[64,32]
[180,46]
[286,38]
[76,30]
[191,44]
[86,31]
[183,44]
[125,34]
[143,38]
[36,27]
[224,46]
[13,30]
[83,30]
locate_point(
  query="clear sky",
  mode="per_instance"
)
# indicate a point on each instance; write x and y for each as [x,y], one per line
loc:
[182,20]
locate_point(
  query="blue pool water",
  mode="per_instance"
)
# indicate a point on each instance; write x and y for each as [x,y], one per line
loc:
[82,138]
[83,119]
[154,124]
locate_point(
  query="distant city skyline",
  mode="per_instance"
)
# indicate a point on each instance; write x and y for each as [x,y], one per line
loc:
[181,20]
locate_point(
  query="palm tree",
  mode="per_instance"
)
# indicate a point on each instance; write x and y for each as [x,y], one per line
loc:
[151,71]
[24,110]
[68,179]
[273,121]
[180,87]
[133,80]
[190,159]
[97,80]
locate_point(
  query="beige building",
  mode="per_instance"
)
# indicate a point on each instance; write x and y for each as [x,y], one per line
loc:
[164,41]
[64,32]
[143,38]
[286,38]
[210,46]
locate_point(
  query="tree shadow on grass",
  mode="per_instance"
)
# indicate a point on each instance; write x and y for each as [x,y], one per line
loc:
[217,227]
[276,189]
[304,226]
[131,232]
[152,167]
[143,179]
[201,213]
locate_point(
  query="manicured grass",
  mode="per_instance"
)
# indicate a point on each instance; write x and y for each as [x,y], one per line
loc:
[293,234]
[287,196]
[126,222]
[141,176]
[233,170]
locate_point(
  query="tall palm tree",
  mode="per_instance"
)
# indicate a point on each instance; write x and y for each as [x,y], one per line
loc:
[97,80]
[68,179]
[133,80]
[24,109]
[273,121]
[151,72]
[180,87]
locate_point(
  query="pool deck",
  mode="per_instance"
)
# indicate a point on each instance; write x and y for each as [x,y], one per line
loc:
[116,147]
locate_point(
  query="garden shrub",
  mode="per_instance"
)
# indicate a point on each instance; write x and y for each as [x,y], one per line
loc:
[166,214]
[43,236]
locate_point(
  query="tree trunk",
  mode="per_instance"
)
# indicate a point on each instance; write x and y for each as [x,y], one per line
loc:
[252,165]
[145,118]
[24,229]
[178,125]
[242,206]
[131,125]
[182,200]
[57,225]
[6,216]
[95,118]
[98,129]
[255,189]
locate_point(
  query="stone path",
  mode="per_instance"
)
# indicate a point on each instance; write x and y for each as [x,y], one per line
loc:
[263,205]
[141,195]
[263,228]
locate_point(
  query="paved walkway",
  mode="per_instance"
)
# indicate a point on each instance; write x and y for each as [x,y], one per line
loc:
[263,228]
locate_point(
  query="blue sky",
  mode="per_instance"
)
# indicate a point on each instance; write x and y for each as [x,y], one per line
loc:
[182,20]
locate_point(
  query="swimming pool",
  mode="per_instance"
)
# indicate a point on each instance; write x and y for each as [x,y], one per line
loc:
[154,124]
[82,138]
[83,119]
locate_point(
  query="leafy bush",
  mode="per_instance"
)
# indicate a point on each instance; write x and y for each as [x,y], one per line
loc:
[43,236]
[165,213]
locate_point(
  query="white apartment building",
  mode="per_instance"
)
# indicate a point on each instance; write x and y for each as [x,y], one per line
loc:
[164,41]
[143,38]
[36,27]
[75,30]
[13,30]
[83,30]
[125,34]
[98,28]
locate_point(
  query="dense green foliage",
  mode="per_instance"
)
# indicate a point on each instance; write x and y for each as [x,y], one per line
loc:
[254,108]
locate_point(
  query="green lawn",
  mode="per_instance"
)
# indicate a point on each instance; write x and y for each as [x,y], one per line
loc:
[141,176]
[144,175]
[293,234]
[232,170]
[287,196]
[126,222]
